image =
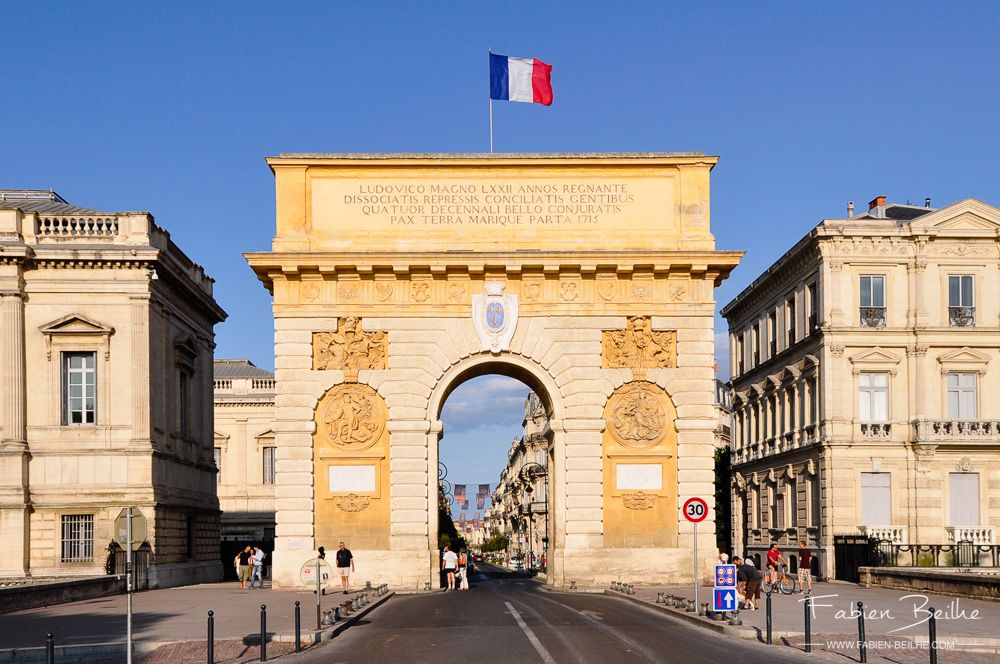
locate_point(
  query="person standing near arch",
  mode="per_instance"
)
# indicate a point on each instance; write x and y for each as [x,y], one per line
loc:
[345,565]
[449,563]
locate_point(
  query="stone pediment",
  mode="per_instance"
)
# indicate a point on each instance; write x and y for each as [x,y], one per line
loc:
[966,215]
[964,358]
[268,434]
[875,358]
[76,324]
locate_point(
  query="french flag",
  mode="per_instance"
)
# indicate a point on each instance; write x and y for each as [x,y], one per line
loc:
[520,79]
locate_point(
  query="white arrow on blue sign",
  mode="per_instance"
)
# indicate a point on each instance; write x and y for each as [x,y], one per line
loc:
[724,599]
[725,576]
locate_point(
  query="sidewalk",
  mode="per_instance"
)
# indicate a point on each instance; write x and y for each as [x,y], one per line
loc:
[895,619]
[172,615]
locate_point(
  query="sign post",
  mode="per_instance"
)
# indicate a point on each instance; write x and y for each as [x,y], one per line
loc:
[130,533]
[724,591]
[695,510]
[316,572]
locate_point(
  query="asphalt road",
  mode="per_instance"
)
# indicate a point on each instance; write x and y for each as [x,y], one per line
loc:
[510,619]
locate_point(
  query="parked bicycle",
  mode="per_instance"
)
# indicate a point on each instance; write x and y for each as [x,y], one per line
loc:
[779,580]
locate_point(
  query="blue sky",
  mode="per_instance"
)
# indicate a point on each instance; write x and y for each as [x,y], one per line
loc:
[172,107]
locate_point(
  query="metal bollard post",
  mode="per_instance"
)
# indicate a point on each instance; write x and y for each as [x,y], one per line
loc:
[368,585]
[336,614]
[211,637]
[767,607]
[931,635]
[659,598]
[862,646]
[50,649]
[704,609]
[689,605]
[808,608]
[298,627]
[263,632]
[735,620]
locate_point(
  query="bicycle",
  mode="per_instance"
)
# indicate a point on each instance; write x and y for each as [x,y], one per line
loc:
[784,584]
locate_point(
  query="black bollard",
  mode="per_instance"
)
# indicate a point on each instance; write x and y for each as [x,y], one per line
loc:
[211,637]
[263,632]
[767,609]
[808,605]
[50,649]
[931,635]
[298,627]
[862,646]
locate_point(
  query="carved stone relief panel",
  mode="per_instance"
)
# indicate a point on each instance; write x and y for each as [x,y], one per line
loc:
[349,348]
[350,417]
[638,346]
[637,415]
[639,500]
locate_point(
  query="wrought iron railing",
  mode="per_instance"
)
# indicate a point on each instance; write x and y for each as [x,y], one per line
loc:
[959,554]
[962,316]
[872,316]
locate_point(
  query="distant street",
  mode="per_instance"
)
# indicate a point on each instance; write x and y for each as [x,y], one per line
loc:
[509,619]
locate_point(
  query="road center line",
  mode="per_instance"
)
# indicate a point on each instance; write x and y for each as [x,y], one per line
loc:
[539,648]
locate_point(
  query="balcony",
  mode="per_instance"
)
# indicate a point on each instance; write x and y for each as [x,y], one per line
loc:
[962,316]
[872,317]
[965,431]
[980,535]
[876,430]
[891,534]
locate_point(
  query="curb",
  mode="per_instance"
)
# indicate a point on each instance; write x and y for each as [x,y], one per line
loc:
[112,649]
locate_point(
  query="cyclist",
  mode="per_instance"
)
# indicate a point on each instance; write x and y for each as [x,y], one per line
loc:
[775,564]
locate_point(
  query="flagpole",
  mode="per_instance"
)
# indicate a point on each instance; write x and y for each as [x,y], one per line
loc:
[490,52]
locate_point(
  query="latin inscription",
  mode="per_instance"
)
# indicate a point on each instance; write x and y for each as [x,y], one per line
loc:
[534,203]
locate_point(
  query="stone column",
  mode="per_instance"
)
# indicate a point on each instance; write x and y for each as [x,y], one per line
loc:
[139,310]
[14,495]
[799,416]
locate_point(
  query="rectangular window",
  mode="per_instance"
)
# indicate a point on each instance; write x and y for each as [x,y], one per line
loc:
[961,303]
[812,307]
[739,354]
[962,396]
[183,401]
[218,465]
[790,320]
[772,333]
[873,397]
[872,301]
[77,538]
[876,499]
[963,489]
[79,388]
[755,336]
[815,507]
[268,465]
[779,510]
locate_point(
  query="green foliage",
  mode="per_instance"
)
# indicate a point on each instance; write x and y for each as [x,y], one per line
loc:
[723,499]
[496,542]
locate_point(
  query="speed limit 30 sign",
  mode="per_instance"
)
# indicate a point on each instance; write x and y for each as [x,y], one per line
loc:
[695,510]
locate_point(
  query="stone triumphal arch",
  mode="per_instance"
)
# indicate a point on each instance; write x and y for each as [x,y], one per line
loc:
[590,277]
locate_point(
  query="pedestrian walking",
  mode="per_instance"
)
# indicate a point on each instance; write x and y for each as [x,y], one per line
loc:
[345,565]
[449,563]
[752,577]
[258,567]
[724,558]
[463,570]
[242,562]
[805,568]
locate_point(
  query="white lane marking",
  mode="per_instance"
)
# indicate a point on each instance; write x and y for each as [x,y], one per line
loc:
[539,648]
[591,614]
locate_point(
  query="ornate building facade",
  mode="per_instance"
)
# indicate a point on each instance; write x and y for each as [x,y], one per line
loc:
[245,455]
[106,375]
[863,364]
[520,499]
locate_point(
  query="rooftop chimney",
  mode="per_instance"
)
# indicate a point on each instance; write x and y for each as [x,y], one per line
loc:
[850,209]
[878,201]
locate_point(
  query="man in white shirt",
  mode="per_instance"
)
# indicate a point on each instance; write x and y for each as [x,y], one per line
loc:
[258,567]
[449,563]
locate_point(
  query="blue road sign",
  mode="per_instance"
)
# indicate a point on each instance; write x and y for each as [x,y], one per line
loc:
[725,576]
[724,599]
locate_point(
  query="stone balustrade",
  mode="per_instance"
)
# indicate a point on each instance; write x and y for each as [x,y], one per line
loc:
[85,227]
[926,430]
[892,534]
[973,534]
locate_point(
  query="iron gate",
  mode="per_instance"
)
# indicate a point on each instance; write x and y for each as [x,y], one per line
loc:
[849,553]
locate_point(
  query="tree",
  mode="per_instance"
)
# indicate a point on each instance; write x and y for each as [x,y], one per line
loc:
[723,499]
